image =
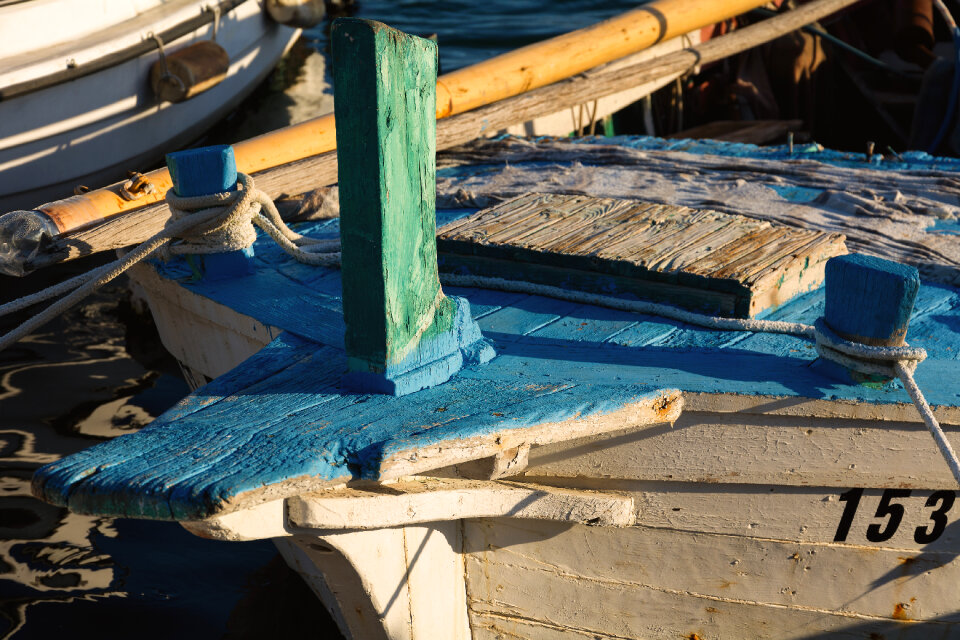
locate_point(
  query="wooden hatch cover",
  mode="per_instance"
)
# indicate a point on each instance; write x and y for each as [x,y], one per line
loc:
[702,260]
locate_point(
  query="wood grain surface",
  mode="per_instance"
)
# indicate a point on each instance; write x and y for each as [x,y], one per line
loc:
[757,264]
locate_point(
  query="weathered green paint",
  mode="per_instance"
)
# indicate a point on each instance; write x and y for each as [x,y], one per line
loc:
[385,108]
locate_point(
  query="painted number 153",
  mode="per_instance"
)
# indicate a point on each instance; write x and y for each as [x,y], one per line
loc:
[891,514]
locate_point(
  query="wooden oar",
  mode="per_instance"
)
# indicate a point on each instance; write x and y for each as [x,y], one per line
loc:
[507,75]
[321,170]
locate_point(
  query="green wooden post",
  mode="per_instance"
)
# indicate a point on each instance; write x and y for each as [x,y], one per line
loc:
[402,333]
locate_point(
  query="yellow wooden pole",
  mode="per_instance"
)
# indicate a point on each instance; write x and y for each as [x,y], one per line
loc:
[486,82]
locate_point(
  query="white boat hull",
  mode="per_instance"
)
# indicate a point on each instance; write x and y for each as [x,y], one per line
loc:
[733,532]
[93,129]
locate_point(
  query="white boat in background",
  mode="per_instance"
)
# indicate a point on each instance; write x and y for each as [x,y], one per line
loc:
[76,101]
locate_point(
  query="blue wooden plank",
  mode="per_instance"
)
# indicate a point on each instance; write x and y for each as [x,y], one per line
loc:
[645,332]
[935,323]
[586,323]
[285,351]
[276,300]
[524,316]
[483,302]
[541,361]
[297,424]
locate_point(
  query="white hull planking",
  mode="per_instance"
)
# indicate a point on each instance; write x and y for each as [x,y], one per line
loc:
[736,507]
[92,129]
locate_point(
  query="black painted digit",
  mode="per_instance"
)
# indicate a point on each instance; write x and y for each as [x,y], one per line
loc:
[939,517]
[884,509]
[852,498]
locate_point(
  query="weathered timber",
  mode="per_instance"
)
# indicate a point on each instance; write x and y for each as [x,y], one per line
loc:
[321,170]
[402,333]
[202,172]
[702,260]
[436,500]
[289,427]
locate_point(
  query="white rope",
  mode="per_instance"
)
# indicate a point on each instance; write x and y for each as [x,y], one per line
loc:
[635,306]
[203,224]
[251,207]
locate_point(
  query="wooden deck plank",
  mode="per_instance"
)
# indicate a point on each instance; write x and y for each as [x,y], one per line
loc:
[693,252]
[644,596]
[297,429]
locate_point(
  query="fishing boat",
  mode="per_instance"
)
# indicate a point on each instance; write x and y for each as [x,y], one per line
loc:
[90,90]
[627,412]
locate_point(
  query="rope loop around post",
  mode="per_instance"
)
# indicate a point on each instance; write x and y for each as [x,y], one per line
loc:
[864,358]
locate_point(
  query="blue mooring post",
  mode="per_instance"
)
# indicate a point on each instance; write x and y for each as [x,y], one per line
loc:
[203,172]
[868,300]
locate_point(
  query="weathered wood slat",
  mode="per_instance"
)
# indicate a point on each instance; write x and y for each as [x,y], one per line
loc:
[736,449]
[295,430]
[646,582]
[729,567]
[658,243]
[436,500]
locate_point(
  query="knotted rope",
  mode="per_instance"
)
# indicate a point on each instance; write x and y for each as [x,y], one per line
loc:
[202,224]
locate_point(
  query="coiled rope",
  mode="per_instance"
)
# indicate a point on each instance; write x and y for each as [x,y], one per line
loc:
[224,222]
[202,224]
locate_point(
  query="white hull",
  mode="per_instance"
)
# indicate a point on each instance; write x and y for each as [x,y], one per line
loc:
[732,514]
[93,129]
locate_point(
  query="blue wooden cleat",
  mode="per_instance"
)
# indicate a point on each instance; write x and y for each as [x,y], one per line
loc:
[202,172]
[868,300]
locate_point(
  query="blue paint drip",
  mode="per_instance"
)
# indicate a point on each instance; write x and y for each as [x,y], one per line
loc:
[946,227]
[793,193]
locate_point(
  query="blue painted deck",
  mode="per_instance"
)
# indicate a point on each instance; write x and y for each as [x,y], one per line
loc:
[281,418]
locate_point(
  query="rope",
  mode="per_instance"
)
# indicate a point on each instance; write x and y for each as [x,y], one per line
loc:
[635,306]
[203,224]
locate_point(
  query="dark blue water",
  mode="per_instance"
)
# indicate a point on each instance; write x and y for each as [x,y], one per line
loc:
[471,31]
[76,383]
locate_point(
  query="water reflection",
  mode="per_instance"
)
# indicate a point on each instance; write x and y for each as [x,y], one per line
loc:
[72,385]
